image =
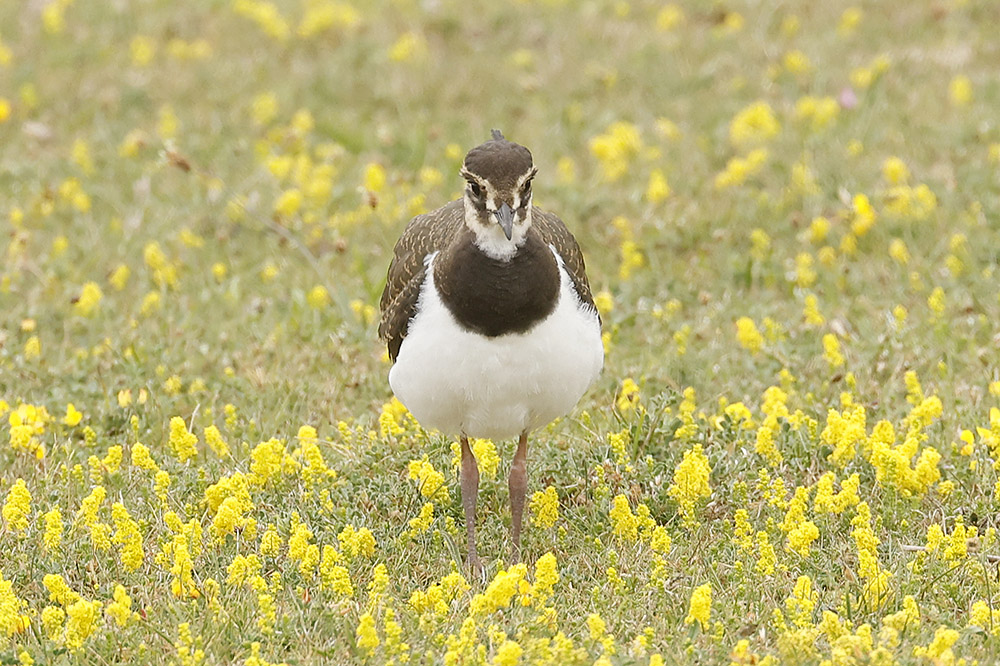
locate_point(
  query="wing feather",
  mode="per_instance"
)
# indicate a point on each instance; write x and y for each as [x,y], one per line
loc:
[424,235]
[554,231]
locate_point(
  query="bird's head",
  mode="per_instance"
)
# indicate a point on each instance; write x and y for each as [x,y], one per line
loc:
[497,195]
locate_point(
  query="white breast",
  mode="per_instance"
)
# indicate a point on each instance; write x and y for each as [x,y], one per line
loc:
[460,382]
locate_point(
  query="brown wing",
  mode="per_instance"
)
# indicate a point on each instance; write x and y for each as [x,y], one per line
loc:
[555,233]
[424,235]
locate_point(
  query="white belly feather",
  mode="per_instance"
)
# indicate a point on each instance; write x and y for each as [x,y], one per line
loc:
[460,382]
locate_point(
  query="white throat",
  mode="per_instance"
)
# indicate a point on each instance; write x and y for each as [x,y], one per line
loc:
[491,239]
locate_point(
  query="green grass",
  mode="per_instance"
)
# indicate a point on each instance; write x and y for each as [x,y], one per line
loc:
[553,76]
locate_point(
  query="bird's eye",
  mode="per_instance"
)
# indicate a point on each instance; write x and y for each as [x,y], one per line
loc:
[476,190]
[525,194]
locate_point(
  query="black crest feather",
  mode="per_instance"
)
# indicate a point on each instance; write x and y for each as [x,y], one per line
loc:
[497,135]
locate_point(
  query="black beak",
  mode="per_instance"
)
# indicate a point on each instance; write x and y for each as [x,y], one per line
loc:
[505,216]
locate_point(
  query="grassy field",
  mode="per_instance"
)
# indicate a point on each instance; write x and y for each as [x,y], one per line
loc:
[790,215]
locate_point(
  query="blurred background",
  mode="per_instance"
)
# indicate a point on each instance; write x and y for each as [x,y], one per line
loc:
[231,177]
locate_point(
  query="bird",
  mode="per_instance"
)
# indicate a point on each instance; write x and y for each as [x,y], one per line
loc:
[489,320]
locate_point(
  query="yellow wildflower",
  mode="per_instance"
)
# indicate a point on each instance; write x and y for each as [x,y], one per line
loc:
[700,608]
[318,297]
[623,521]
[616,148]
[753,125]
[960,91]
[121,608]
[431,482]
[544,507]
[182,442]
[691,482]
[17,507]
[82,620]
[748,335]
[366,634]
[12,621]
[86,303]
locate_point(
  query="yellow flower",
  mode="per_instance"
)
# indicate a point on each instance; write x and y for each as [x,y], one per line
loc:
[83,619]
[623,522]
[73,416]
[604,302]
[831,351]
[168,123]
[796,62]
[366,634]
[318,297]
[939,650]
[508,654]
[52,538]
[322,15]
[182,584]
[803,600]
[410,45]
[119,277]
[17,507]
[669,17]
[766,558]
[544,507]
[86,302]
[596,626]
[895,171]
[266,16]
[691,482]
[483,450]
[128,536]
[936,301]
[430,481]
[738,169]
[288,203]
[264,109]
[849,21]
[546,576]
[356,543]
[898,251]
[182,441]
[960,91]
[657,190]
[12,621]
[52,619]
[754,124]
[374,178]
[422,522]
[500,591]
[616,148]
[700,608]
[142,50]
[732,23]
[748,335]
[121,608]
[628,396]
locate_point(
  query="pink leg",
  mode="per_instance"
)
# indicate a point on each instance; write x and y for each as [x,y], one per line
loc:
[470,492]
[518,486]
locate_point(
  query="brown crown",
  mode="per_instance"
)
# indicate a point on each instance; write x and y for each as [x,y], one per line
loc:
[499,161]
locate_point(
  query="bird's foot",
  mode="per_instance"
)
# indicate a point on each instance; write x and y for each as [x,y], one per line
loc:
[476,567]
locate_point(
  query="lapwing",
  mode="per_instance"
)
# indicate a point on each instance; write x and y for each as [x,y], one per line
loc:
[489,319]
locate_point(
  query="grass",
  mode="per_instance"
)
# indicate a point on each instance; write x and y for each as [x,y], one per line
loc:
[231,177]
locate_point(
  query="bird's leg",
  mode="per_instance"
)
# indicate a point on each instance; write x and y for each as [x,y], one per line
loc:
[518,486]
[470,491]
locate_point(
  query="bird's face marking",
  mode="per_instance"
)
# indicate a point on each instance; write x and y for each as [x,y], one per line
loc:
[497,196]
